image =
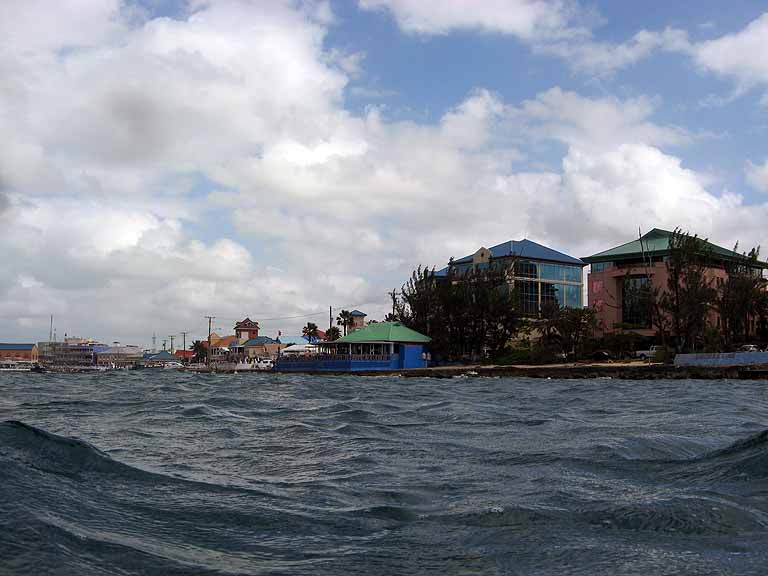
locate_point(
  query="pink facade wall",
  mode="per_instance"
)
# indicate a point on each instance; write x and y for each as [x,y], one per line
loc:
[604,293]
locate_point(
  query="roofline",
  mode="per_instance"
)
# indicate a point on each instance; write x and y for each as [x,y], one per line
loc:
[633,255]
[376,342]
[469,257]
[521,257]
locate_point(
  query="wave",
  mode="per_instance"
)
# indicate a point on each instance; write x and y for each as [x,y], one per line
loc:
[50,453]
[744,460]
[71,507]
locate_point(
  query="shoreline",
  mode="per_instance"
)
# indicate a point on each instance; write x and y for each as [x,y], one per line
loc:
[623,371]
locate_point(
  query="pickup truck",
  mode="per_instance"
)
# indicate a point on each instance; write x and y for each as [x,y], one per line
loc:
[646,354]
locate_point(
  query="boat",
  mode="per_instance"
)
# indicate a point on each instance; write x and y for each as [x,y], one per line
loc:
[257,364]
[11,366]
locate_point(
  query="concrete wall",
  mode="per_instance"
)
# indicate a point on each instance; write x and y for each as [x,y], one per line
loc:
[723,359]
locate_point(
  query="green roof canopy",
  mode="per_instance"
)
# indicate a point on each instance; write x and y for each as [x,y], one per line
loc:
[383,332]
[656,243]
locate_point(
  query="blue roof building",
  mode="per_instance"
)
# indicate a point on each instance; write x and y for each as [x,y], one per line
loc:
[537,273]
[17,347]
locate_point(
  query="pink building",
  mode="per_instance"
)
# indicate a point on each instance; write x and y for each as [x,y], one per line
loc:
[617,275]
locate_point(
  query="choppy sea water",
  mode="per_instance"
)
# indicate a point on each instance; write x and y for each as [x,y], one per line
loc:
[167,473]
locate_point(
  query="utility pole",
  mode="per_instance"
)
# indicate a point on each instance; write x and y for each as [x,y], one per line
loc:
[208,352]
[393,294]
[330,316]
[50,332]
[164,341]
[184,335]
[172,339]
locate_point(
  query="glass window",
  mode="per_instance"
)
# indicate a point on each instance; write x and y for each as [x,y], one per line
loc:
[526,269]
[550,272]
[635,303]
[600,266]
[573,274]
[499,265]
[528,297]
[553,293]
[573,296]
[461,269]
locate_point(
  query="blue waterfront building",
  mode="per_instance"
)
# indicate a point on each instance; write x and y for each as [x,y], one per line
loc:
[380,346]
[537,273]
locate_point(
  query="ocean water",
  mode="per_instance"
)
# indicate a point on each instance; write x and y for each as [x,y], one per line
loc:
[165,473]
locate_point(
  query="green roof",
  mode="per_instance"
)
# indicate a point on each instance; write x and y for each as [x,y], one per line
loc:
[655,243]
[383,332]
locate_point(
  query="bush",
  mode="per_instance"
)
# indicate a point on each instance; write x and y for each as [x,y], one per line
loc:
[664,356]
[515,356]
[546,352]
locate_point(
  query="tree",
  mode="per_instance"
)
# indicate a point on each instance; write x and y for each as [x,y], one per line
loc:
[344,319]
[576,327]
[689,295]
[310,332]
[333,333]
[741,297]
[467,318]
[200,349]
[566,330]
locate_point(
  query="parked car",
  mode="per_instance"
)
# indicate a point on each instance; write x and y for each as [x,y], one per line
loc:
[749,348]
[264,364]
[602,355]
[646,354]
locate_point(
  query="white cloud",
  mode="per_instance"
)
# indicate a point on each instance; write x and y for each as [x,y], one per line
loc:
[596,122]
[108,229]
[525,19]
[757,176]
[739,56]
[600,58]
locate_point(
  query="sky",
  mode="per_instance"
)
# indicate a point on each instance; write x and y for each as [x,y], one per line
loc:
[171,159]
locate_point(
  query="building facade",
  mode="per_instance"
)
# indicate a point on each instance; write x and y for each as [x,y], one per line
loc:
[619,277]
[536,273]
[246,330]
[358,320]
[383,346]
[24,352]
[71,354]
[120,356]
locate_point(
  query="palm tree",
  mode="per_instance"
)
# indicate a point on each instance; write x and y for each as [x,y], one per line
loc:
[344,319]
[200,349]
[310,332]
[332,334]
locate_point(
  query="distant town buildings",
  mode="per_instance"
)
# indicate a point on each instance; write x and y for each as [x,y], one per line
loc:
[72,353]
[358,321]
[244,344]
[119,356]
[22,352]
